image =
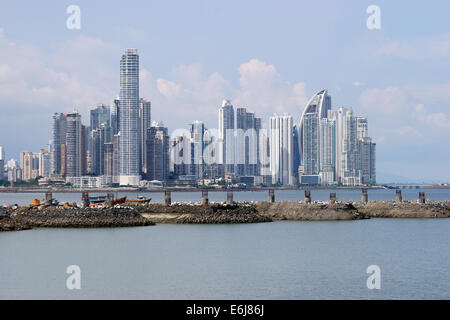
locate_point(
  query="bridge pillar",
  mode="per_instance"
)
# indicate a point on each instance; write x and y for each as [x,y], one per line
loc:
[271,195]
[332,197]
[229,197]
[85,199]
[205,199]
[307,196]
[167,198]
[364,196]
[110,199]
[48,198]
[421,197]
[398,196]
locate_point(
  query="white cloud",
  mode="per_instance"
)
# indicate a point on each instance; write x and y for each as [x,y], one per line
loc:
[417,48]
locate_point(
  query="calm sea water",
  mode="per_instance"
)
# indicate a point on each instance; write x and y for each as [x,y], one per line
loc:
[279,260]
[280,195]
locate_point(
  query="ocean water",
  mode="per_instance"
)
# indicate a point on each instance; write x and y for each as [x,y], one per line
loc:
[278,260]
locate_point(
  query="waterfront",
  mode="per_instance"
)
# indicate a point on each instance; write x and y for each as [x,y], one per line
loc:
[216,196]
[280,260]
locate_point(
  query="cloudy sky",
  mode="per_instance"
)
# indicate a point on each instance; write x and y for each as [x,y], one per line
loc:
[268,56]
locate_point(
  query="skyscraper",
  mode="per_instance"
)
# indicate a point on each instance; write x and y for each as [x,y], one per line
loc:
[129,118]
[74,145]
[2,162]
[367,152]
[310,147]
[115,119]
[327,144]
[100,115]
[350,170]
[319,104]
[281,149]
[145,122]
[157,152]
[226,135]
[59,140]
[197,140]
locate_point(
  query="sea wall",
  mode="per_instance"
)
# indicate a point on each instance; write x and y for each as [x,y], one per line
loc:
[214,213]
[196,213]
[64,217]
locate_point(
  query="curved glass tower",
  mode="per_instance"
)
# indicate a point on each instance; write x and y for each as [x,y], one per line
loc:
[316,109]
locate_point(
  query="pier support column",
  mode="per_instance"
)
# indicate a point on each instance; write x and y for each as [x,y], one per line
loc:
[398,196]
[364,196]
[307,196]
[332,197]
[271,195]
[205,197]
[167,198]
[421,197]
[48,198]
[229,197]
[110,199]
[85,199]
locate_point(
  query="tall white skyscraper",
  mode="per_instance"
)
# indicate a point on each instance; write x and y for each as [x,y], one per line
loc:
[129,119]
[281,149]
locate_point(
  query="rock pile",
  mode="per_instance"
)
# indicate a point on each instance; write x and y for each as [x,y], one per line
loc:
[66,217]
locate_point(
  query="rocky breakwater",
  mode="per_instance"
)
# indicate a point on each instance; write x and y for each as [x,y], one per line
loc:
[213,213]
[8,223]
[66,217]
[405,209]
[301,211]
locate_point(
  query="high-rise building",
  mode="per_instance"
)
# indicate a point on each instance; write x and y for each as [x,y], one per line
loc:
[361,127]
[129,118]
[99,138]
[59,140]
[100,115]
[367,154]
[319,104]
[197,147]
[2,162]
[74,145]
[157,152]
[45,163]
[247,130]
[350,170]
[29,164]
[108,166]
[281,150]
[116,158]
[115,119]
[226,135]
[310,148]
[327,144]
[145,122]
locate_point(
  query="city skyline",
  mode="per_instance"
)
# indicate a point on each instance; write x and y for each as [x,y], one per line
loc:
[122,147]
[400,86]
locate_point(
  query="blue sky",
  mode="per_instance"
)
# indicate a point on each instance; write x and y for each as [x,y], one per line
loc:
[269,56]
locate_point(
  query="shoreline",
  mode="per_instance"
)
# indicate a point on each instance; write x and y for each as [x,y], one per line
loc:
[28,217]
